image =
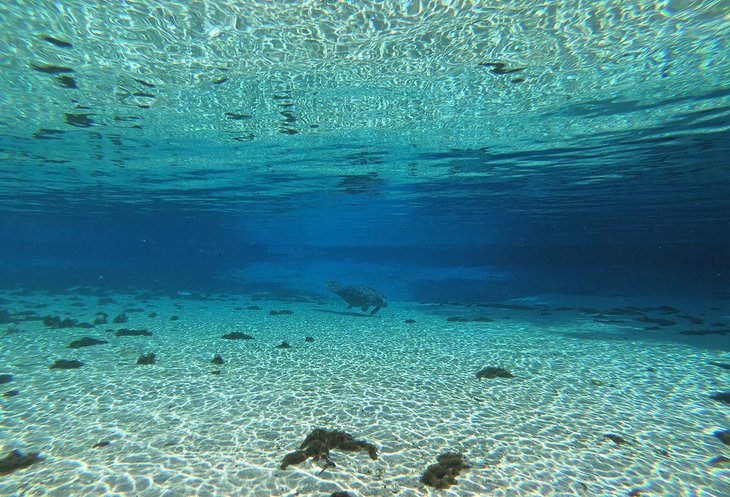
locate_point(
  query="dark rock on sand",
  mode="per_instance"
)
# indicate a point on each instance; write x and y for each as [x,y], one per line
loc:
[320,441]
[492,372]
[217,360]
[11,393]
[283,345]
[722,365]
[284,312]
[124,332]
[360,296]
[121,318]
[85,342]
[237,335]
[410,321]
[723,397]
[723,436]
[704,332]
[148,358]
[66,364]
[57,322]
[16,460]
[340,494]
[718,461]
[617,439]
[443,474]
[253,308]
[296,457]
[174,318]
[309,339]
[100,318]
[457,319]
[5,378]
[103,443]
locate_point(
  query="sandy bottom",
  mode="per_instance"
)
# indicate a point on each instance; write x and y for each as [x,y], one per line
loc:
[177,429]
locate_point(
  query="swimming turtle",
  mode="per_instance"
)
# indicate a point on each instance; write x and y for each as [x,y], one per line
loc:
[358,296]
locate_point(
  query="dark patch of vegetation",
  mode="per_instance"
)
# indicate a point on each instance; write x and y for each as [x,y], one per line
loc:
[617,439]
[57,322]
[121,318]
[320,441]
[704,332]
[16,460]
[492,372]
[723,397]
[57,42]
[237,335]
[723,436]
[86,342]
[66,364]
[124,332]
[442,475]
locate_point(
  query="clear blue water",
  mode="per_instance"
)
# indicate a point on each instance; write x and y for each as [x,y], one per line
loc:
[438,151]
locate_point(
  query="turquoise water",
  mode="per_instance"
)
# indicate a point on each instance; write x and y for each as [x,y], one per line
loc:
[559,169]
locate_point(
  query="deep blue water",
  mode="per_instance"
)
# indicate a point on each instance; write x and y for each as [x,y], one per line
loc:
[192,171]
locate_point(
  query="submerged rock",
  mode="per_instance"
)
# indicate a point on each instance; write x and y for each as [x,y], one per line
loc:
[320,441]
[723,397]
[723,436]
[148,358]
[16,460]
[217,360]
[5,378]
[617,439]
[492,372]
[410,321]
[237,335]
[66,364]
[704,332]
[722,365]
[442,475]
[296,457]
[121,318]
[57,322]
[719,461]
[11,393]
[124,332]
[283,345]
[103,443]
[284,312]
[85,342]
[309,339]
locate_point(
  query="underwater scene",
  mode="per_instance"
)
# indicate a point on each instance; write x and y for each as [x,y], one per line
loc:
[365,248]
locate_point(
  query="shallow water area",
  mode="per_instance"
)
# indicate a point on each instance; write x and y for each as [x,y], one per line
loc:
[175,428]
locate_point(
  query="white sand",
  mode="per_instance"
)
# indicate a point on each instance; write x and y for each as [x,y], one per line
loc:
[178,430]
